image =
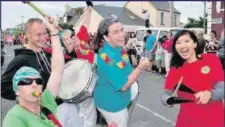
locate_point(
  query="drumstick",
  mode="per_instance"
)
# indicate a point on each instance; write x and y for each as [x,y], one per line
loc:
[38,10]
[34,7]
[178,86]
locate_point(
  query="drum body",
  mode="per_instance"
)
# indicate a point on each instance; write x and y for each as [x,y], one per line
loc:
[134,91]
[78,81]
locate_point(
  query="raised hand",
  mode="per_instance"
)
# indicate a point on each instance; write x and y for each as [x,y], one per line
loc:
[49,22]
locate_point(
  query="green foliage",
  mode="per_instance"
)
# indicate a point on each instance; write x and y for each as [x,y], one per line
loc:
[17,32]
[195,23]
[66,26]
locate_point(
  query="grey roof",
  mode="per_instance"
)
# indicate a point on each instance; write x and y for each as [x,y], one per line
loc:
[125,15]
[73,20]
[71,12]
[162,5]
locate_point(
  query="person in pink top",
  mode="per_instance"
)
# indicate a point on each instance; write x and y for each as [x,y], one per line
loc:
[167,46]
[21,38]
[9,39]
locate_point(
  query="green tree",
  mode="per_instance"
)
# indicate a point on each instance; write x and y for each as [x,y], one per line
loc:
[195,23]
[66,26]
[17,32]
[18,29]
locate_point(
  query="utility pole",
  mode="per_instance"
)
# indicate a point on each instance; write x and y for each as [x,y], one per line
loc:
[204,23]
[171,13]
[21,22]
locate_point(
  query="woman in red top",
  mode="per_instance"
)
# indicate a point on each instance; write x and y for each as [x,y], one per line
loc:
[204,75]
[167,46]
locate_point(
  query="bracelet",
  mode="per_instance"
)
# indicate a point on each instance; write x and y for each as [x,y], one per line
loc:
[55,35]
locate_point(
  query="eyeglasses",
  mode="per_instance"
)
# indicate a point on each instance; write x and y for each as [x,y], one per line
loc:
[29,81]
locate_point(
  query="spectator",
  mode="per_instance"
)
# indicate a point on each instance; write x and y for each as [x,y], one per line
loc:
[159,56]
[201,41]
[167,46]
[149,47]
[147,17]
[213,45]
[131,49]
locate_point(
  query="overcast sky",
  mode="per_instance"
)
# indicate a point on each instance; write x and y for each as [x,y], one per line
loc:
[12,12]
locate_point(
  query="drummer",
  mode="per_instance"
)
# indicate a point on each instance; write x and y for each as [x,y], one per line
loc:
[76,46]
[71,40]
[202,74]
[112,92]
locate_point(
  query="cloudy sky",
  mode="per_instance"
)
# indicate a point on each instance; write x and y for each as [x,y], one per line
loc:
[12,12]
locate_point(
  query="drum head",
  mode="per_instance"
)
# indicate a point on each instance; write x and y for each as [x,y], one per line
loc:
[76,76]
[134,90]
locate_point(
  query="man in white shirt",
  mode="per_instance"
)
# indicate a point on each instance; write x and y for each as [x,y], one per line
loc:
[147,18]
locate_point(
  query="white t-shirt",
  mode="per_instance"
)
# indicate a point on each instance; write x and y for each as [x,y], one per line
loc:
[147,15]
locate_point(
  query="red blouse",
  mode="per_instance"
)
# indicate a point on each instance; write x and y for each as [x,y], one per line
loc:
[199,76]
[167,45]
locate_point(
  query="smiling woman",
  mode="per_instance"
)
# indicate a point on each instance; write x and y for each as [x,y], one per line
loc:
[203,76]
[112,93]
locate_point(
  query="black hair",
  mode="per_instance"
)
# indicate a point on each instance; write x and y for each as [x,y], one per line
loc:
[149,31]
[145,39]
[177,60]
[214,32]
[134,35]
[103,31]
[98,40]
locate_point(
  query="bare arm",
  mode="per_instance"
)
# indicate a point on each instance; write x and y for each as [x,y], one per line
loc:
[57,64]
[87,17]
[134,75]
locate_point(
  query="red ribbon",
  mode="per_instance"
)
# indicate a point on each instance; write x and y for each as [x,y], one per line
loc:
[54,120]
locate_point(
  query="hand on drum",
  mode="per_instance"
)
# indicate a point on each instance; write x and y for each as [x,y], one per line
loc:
[143,64]
[203,97]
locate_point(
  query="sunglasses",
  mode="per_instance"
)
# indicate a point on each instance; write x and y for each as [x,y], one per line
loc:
[72,34]
[29,81]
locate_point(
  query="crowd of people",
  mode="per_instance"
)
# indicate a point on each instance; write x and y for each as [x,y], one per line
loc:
[34,76]
[161,49]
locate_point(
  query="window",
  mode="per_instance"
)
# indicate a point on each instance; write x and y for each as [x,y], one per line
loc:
[219,6]
[163,33]
[140,35]
[162,18]
[175,20]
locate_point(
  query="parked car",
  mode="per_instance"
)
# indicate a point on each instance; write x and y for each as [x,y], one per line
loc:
[156,31]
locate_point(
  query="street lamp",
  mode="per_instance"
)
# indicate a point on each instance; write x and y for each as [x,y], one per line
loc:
[171,13]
